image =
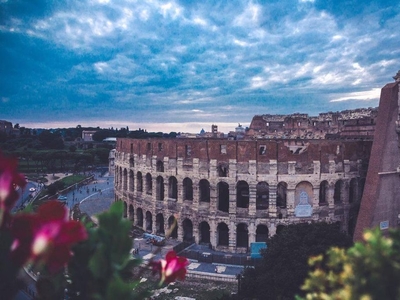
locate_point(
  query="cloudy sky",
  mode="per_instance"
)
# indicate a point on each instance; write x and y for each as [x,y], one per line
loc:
[184,65]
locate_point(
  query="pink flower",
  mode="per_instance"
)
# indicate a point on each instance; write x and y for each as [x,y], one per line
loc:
[172,268]
[45,237]
[9,180]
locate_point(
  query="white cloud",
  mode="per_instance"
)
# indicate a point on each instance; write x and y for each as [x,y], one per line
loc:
[364,95]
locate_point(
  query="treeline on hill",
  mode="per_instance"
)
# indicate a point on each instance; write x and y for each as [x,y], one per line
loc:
[59,150]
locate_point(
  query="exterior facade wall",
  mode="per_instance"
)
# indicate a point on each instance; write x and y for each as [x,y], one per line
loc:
[232,193]
[380,206]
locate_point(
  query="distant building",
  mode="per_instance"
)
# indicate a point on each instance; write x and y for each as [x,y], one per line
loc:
[87,135]
[6,127]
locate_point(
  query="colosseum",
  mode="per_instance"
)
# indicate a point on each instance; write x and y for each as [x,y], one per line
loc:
[230,193]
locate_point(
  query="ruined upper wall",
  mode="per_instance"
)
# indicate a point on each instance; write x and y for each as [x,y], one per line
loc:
[354,124]
[303,153]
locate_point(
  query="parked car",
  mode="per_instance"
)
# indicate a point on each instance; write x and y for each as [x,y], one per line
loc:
[62,198]
[32,189]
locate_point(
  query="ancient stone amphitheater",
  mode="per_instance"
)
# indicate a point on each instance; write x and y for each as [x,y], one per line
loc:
[230,193]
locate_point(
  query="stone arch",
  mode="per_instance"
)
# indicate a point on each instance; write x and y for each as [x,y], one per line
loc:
[160,166]
[149,184]
[131,213]
[160,188]
[204,187]
[242,235]
[187,226]
[262,233]
[125,210]
[160,224]
[262,195]
[131,181]
[338,193]
[353,191]
[281,195]
[149,221]
[187,189]
[125,180]
[222,234]
[139,179]
[223,196]
[303,193]
[139,217]
[172,188]
[204,230]
[173,227]
[323,193]
[242,194]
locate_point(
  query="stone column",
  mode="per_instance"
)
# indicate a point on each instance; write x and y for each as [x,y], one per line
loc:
[232,236]
[196,232]
[196,195]
[272,200]
[213,199]
[252,233]
[252,198]
[290,194]
[213,232]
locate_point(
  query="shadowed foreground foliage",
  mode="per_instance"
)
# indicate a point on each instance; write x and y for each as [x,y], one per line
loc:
[284,265]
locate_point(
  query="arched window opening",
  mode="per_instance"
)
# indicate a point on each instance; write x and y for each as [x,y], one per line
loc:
[223,234]
[160,166]
[131,181]
[172,188]
[242,194]
[204,229]
[337,195]
[125,184]
[139,217]
[323,193]
[149,222]
[242,235]
[204,187]
[262,195]
[160,224]
[160,188]
[149,184]
[262,233]
[125,210]
[173,227]
[223,196]
[131,213]
[187,230]
[139,178]
[187,189]
[281,194]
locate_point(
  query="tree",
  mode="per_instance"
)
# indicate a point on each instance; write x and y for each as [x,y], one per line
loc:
[51,140]
[284,264]
[368,270]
